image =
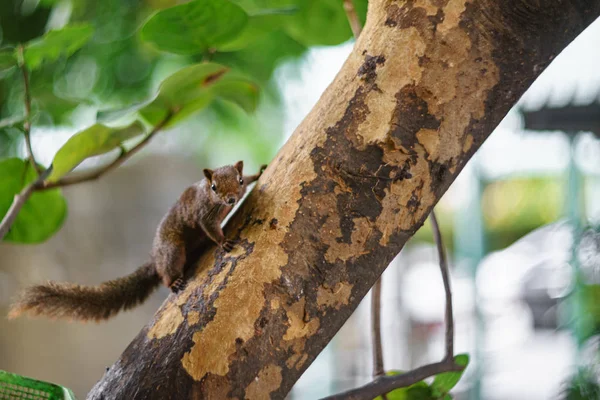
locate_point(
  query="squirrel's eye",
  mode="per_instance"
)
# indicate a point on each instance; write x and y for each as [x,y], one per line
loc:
[241,181]
[213,187]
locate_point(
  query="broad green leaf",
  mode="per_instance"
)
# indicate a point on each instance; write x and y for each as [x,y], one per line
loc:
[41,216]
[262,56]
[240,92]
[7,61]
[259,25]
[319,22]
[95,140]
[443,383]
[55,43]
[195,27]
[114,114]
[193,88]
[254,7]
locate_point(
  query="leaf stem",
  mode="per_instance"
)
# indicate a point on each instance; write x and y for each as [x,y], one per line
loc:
[123,156]
[27,122]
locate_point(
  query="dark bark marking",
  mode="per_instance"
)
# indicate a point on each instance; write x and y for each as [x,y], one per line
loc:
[409,117]
[367,70]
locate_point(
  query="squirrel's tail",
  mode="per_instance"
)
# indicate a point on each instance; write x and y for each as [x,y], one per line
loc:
[71,301]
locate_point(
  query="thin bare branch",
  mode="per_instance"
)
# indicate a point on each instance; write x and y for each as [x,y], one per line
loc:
[378,369]
[18,202]
[385,384]
[123,156]
[437,236]
[27,122]
[355,24]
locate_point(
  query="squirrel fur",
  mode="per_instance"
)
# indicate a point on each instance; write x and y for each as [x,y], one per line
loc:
[190,223]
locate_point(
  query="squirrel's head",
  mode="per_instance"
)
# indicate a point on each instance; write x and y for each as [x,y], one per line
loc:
[226,184]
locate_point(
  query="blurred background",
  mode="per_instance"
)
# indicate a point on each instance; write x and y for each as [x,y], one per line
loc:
[521,223]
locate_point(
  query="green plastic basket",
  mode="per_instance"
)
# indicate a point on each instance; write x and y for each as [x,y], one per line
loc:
[17,387]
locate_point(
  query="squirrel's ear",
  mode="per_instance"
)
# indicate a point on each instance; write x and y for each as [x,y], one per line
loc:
[239,166]
[208,173]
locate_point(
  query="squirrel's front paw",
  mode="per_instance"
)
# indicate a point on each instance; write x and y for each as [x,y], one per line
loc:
[262,169]
[178,285]
[229,244]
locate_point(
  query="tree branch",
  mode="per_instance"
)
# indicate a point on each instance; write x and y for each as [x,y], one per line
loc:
[27,122]
[385,384]
[352,18]
[437,236]
[18,202]
[378,369]
[123,156]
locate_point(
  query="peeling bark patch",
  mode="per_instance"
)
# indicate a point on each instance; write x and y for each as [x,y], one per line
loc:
[267,381]
[334,297]
[367,70]
[193,317]
[300,324]
[167,323]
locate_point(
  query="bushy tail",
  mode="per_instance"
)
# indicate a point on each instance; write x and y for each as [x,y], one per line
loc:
[71,301]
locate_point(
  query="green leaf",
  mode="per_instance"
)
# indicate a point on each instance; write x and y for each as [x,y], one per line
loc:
[7,61]
[114,114]
[258,26]
[193,88]
[261,57]
[95,140]
[55,43]
[41,216]
[444,382]
[319,22]
[195,27]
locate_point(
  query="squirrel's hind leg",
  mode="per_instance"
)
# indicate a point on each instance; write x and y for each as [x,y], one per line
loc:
[170,263]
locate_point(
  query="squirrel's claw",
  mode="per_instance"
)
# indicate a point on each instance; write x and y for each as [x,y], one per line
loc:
[229,245]
[178,285]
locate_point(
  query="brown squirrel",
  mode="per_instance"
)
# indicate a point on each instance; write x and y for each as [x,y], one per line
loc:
[191,222]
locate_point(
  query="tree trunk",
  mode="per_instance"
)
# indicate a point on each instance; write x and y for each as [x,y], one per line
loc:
[426,84]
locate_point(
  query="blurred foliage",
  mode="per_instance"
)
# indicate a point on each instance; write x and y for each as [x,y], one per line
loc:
[111,56]
[438,390]
[583,386]
[587,284]
[511,209]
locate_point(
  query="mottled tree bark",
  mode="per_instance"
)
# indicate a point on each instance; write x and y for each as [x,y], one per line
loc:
[427,82]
